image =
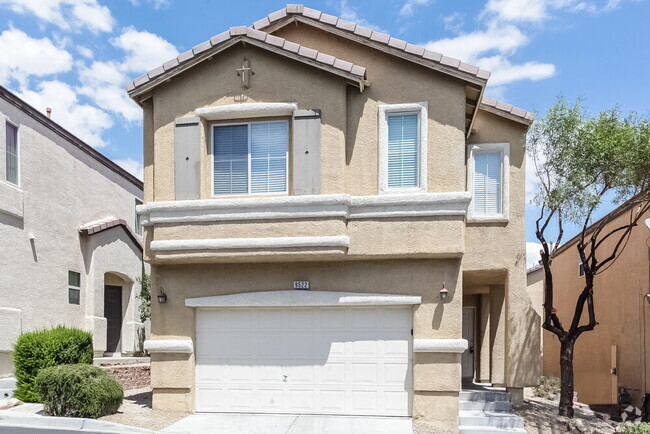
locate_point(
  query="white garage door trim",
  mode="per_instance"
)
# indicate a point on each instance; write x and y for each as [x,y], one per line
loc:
[302,298]
[354,360]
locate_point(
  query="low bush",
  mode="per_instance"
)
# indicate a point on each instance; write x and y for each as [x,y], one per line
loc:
[78,391]
[634,428]
[548,388]
[34,351]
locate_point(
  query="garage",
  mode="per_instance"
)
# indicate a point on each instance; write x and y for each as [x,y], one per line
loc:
[349,360]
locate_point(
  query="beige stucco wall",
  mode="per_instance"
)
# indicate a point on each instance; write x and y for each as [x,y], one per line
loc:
[61,188]
[622,314]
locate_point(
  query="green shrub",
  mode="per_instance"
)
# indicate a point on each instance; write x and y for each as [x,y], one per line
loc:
[78,391]
[44,348]
[634,428]
[548,388]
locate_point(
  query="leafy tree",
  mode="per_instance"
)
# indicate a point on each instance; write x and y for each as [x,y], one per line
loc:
[144,296]
[581,161]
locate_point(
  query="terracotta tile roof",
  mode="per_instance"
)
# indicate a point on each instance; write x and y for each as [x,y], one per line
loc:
[372,35]
[493,105]
[102,225]
[243,32]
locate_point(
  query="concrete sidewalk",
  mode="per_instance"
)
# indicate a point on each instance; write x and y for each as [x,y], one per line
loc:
[236,423]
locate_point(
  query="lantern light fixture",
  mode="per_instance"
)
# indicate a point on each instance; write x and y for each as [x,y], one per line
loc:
[443,292]
[162,297]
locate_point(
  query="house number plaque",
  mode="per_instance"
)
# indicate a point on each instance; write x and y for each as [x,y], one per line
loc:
[301,284]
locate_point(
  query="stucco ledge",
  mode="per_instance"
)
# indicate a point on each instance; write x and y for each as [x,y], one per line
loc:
[183,346]
[439,345]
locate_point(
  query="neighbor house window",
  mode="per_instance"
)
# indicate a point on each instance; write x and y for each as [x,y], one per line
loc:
[250,158]
[581,268]
[402,147]
[74,287]
[11,153]
[138,224]
[488,174]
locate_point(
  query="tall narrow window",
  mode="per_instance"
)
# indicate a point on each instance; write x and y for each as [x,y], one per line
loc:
[250,158]
[74,287]
[403,150]
[487,183]
[11,173]
[138,224]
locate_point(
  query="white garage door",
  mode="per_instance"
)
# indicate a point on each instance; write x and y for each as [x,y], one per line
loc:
[304,360]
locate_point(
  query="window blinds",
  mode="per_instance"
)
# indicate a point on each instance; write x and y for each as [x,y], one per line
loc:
[487,183]
[403,150]
[251,158]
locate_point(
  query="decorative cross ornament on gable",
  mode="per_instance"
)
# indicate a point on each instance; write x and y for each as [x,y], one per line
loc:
[245,73]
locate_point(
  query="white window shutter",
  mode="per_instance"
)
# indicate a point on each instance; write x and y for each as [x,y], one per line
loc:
[231,159]
[403,150]
[487,183]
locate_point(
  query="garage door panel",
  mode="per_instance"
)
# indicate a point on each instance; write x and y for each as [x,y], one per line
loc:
[336,360]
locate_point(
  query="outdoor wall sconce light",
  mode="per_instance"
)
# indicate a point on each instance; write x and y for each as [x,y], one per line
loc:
[443,292]
[162,297]
[647,297]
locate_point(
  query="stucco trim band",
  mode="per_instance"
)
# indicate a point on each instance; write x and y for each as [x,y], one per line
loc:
[250,243]
[303,298]
[184,346]
[439,345]
[247,110]
[307,206]
[12,200]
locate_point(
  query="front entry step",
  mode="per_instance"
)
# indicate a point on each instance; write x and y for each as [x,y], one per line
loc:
[486,412]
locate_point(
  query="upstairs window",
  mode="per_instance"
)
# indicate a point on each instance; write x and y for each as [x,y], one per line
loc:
[488,174]
[138,223]
[487,183]
[11,153]
[403,150]
[403,147]
[250,158]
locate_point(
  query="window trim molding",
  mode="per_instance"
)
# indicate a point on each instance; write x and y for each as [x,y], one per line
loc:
[18,156]
[247,123]
[421,108]
[504,150]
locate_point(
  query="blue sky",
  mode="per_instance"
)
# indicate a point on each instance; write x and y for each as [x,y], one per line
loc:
[76,55]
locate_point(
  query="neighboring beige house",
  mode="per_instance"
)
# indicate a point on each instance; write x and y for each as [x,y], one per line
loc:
[68,251]
[330,215]
[616,353]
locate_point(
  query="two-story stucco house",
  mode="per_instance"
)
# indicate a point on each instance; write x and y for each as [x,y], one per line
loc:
[330,215]
[68,251]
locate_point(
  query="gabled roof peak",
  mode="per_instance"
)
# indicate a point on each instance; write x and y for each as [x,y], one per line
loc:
[299,10]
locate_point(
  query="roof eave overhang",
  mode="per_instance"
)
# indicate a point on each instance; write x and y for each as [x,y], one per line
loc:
[524,121]
[141,93]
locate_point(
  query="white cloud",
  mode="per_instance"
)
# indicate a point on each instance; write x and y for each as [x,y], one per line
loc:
[66,14]
[453,22]
[130,165]
[350,14]
[157,4]
[83,120]
[504,72]
[470,46]
[144,50]
[408,8]
[532,254]
[23,56]
[85,52]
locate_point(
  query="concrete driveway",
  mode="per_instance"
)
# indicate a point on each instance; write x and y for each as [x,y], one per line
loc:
[235,423]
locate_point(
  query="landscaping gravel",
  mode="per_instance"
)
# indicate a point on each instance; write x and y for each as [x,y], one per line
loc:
[136,411]
[541,418]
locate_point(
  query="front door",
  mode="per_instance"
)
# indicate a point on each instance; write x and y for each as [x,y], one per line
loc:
[468,335]
[113,315]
